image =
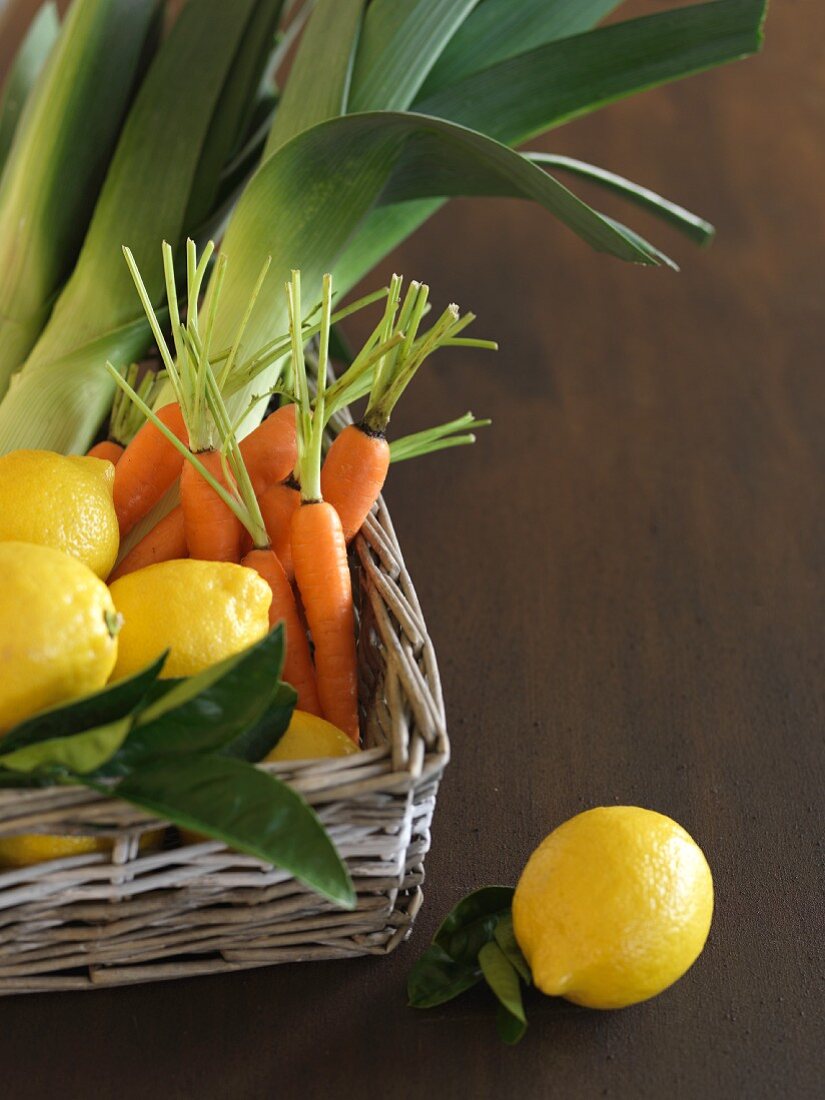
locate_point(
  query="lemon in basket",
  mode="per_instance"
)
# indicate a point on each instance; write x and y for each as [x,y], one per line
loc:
[28,848]
[613,907]
[62,502]
[308,737]
[58,630]
[201,611]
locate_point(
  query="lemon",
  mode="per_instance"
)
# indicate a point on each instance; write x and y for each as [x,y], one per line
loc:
[57,622]
[613,907]
[201,611]
[28,848]
[62,502]
[308,737]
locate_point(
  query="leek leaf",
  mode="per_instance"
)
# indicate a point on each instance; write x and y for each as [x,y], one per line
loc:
[328,178]
[499,29]
[691,225]
[58,161]
[28,64]
[318,83]
[516,99]
[63,393]
[399,45]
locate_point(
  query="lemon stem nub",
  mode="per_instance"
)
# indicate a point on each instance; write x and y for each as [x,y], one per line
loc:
[114,622]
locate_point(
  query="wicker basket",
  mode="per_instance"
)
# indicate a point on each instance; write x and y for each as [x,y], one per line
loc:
[133,916]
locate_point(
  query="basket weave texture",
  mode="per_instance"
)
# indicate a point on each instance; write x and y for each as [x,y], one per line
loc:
[140,915]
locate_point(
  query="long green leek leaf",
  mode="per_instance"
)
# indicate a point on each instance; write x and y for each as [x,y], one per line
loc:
[58,161]
[691,225]
[399,45]
[61,396]
[525,95]
[318,82]
[361,155]
[672,45]
[233,108]
[499,29]
[28,64]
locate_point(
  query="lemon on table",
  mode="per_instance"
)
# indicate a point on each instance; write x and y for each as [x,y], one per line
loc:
[28,848]
[58,630]
[201,611]
[613,907]
[308,737]
[62,502]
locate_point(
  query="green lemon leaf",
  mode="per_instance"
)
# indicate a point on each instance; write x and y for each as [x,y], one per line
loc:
[247,809]
[261,738]
[437,978]
[80,754]
[472,923]
[505,937]
[98,709]
[206,712]
[502,978]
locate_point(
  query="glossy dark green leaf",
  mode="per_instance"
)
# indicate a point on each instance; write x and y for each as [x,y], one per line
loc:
[79,754]
[437,978]
[261,738]
[505,937]
[399,45]
[503,980]
[516,99]
[34,780]
[28,64]
[247,809]
[319,80]
[510,1028]
[691,225]
[204,713]
[99,709]
[472,923]
[499,29]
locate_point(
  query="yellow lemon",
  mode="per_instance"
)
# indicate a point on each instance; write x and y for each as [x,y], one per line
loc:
[201,611]
[613,907]
[62,502]
[308,737]
[57,630]
[28,848]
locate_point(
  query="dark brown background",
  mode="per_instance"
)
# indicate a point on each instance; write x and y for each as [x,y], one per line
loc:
[624,580]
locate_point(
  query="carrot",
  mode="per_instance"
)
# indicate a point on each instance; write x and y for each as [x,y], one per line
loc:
[270,451]
[165,542]
[278,504]
[107,449]
[213,531]
[147,468]
[298,669]
[319,552]
[353,474]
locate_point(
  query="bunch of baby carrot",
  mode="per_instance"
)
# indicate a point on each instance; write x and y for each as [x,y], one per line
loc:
[272,501]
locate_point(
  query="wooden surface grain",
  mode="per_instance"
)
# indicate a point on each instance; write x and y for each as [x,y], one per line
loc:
[624,580]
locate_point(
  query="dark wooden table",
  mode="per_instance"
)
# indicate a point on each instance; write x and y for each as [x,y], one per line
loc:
[624,580]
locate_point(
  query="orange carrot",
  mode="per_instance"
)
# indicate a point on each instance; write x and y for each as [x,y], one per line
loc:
[321,570]
[147,468]
[213,531]
[165,542]
[107,449]
[270,451]
[353,474]
[298,669]
[278,504]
